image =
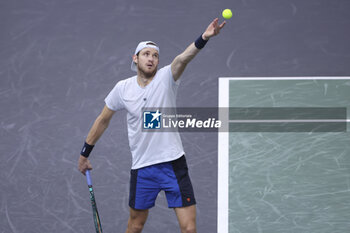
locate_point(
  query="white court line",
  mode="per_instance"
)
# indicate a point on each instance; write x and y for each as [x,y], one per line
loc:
[223,160]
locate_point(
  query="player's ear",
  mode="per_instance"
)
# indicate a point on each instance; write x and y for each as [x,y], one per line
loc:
[134,58]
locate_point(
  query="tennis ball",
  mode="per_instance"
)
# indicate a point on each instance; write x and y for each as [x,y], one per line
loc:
[227,14]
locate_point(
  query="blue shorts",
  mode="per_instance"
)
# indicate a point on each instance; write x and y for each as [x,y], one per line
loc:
[172,177]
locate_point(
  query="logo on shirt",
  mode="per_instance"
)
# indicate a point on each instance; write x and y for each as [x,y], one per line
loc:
[152,119]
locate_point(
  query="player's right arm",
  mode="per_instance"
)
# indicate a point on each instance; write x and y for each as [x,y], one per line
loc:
[100,125]
[180,62]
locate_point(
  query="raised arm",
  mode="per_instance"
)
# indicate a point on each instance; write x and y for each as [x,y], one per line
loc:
[180,62]
[100,125]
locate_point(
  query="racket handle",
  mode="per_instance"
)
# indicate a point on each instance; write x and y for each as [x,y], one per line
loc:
[88,178]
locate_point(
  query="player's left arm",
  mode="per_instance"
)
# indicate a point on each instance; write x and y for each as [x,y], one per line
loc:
[180,62]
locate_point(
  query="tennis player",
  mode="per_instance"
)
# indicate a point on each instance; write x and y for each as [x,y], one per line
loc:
[158,159]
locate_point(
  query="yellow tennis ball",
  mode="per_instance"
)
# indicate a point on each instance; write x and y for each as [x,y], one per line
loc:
[227,14]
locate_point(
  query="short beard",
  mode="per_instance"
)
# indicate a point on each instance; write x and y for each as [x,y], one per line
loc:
[146,74]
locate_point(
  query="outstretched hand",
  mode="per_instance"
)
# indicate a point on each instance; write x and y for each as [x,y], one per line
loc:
[213,29]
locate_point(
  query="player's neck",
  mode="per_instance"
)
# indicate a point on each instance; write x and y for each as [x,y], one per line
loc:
[143,80]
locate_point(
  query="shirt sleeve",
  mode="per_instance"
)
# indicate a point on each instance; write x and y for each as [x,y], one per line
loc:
[114,100]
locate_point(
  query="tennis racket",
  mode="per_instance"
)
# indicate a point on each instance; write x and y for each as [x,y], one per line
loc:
[93,203]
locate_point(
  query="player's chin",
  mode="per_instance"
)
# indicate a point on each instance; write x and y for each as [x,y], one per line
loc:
[150,70]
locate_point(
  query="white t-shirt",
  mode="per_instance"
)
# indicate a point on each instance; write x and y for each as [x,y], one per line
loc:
[147,148]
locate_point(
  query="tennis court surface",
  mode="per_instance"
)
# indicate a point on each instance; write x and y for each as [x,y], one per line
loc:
[284,164]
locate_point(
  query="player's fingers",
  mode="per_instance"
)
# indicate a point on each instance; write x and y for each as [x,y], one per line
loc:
[215,22]
[85,169]
[89,167]
[218,28]
[82,170]
[222,24]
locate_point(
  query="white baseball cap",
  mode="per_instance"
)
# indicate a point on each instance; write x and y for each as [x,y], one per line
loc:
[142,45]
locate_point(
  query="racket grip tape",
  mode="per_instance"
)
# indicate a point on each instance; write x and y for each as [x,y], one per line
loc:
[88,178]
